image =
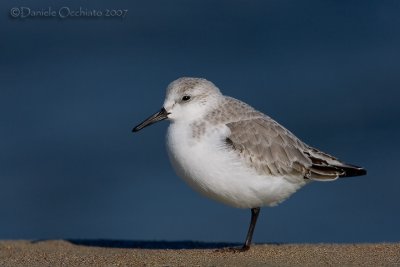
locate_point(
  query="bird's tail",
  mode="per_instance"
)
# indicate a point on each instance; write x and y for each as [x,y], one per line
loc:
[326,167]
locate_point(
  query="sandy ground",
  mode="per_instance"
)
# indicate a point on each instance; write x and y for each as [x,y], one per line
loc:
[131,253]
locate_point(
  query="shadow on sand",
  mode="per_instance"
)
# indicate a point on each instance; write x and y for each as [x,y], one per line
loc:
[138,244]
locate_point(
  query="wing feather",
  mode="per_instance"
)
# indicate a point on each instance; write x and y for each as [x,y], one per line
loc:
[268,147]
[271,149]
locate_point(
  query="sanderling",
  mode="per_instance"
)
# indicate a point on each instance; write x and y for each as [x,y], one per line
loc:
[232,153]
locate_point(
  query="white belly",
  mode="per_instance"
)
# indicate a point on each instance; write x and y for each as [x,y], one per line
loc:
[212,169]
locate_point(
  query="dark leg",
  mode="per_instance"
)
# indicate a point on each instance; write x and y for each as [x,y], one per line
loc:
[254,217]
[247,243]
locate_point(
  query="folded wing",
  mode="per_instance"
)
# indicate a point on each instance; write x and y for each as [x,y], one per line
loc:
[271,149]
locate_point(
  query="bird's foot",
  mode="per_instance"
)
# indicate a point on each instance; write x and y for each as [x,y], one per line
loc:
[233,249]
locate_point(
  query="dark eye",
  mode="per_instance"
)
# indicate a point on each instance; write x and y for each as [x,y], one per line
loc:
[186,98]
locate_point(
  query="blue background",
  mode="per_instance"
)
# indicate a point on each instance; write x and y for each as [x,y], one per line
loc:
[72,89]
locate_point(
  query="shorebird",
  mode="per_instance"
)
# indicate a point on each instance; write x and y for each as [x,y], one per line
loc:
[232,153]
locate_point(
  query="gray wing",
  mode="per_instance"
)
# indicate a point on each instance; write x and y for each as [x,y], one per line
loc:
[271,149]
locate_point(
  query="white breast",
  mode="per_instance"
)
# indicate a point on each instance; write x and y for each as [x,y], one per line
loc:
[213,169]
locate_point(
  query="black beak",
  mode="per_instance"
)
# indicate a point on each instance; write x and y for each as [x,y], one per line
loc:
[159,116]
